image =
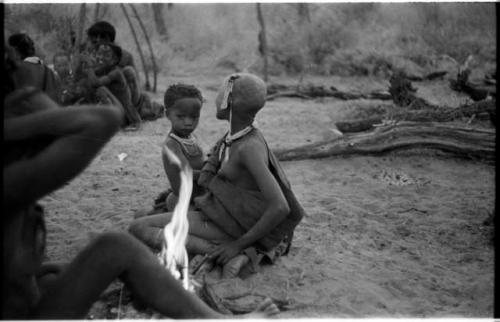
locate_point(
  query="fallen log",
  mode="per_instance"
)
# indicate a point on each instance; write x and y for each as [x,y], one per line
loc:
[430,114]
[430,76]
[313,91]
[460,141]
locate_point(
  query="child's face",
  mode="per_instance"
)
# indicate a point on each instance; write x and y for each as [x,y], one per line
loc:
[105,56]
[184,116]
[62,65]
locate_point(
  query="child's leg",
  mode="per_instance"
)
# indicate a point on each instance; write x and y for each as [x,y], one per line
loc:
[201,231]
[115,255]
[133,85]
[104,96]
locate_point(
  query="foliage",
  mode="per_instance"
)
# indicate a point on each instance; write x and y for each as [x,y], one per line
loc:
[315,38]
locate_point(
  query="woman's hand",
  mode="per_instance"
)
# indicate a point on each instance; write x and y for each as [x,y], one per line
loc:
[223,253]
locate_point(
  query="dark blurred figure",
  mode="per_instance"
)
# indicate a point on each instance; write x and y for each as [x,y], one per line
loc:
[30,69]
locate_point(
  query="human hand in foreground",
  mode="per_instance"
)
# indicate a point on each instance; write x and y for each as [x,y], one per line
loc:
[225,252]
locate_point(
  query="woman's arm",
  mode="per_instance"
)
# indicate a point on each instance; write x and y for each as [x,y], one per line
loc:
[255,159]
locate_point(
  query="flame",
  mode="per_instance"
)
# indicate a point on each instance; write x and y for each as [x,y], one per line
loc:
[173,254]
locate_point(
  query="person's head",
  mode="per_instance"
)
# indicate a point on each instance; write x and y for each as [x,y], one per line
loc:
[62,64]
[23,44]
[183,105]
[108,55]
[243,94]
[101,32]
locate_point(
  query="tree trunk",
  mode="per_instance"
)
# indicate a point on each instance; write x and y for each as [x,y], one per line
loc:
[81,26]
[262,40]
[144,31]
[160,25]
[304,15]
[460,141]
[96,11]
[138,45]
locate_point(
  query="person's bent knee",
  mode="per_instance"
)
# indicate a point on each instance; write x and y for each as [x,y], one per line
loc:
[114,240]
[137,228]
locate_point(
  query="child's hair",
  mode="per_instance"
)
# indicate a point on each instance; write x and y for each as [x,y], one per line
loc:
[102,28]
[178,91]
[23,44]
[117,51]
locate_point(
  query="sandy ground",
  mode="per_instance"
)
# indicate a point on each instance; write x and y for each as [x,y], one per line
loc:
[399,235]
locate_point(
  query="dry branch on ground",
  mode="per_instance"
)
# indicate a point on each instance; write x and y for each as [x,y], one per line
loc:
[313,91]
[460,141]
[481,110]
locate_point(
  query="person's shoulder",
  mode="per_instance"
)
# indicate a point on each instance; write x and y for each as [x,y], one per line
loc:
[253,144]
[173,145]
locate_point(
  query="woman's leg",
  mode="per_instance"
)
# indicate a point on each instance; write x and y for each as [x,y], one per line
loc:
[115,255]
[203,234]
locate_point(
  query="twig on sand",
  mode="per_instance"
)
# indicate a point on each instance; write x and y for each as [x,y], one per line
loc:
[410,209]
[119,303]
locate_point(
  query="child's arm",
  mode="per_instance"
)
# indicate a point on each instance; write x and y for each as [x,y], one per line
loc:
[77,133]
[255,159]
[171,169]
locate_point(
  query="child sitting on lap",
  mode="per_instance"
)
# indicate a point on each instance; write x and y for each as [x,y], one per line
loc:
[249,211]
[183,104]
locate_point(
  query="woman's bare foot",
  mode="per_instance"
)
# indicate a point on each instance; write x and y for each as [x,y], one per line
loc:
[264,310]
[234,266]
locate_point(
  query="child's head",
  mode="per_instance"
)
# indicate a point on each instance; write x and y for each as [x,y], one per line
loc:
[108,55]
[23,44]
[183,105]
[62,64]
[241,93]
[101,32]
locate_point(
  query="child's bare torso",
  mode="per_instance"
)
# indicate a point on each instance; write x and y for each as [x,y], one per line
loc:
[193,152]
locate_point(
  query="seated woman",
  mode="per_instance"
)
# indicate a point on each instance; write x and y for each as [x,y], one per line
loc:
[249,211]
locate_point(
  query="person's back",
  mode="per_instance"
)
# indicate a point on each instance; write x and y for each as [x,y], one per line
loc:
[31,71]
